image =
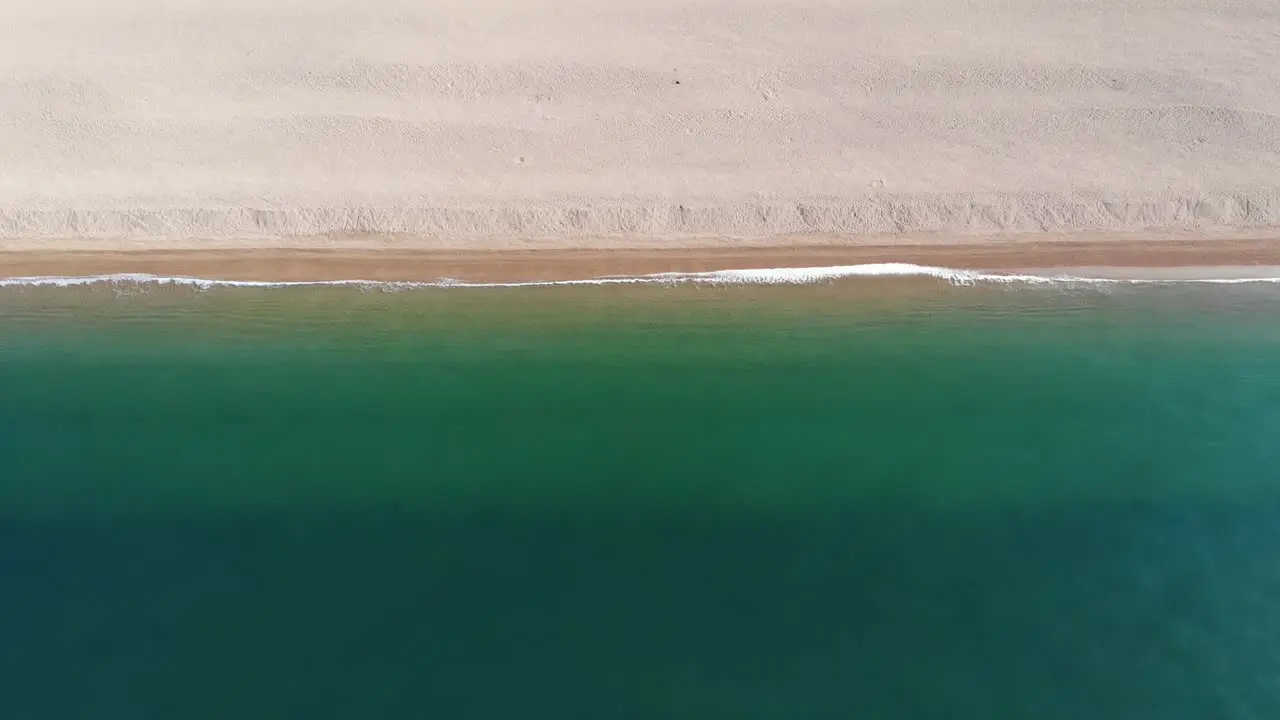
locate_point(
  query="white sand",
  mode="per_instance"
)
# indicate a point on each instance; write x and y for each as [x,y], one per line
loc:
[615,122]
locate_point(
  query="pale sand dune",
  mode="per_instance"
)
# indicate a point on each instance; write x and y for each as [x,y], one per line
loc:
[612,123]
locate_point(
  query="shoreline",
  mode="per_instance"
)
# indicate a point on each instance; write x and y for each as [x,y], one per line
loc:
[375,260]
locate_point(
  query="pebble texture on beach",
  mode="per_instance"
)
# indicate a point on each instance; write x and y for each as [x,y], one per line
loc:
[590,122]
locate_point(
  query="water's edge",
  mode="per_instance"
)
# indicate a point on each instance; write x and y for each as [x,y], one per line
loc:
[758,276]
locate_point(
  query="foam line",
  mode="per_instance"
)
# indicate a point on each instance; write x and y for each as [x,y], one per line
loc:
[760,276]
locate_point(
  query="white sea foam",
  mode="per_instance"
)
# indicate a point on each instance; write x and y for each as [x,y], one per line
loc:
[759,276]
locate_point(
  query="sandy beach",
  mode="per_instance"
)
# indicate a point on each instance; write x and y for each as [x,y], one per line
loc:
[395,139]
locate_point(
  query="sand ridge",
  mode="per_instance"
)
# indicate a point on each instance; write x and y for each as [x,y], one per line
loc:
[578,123]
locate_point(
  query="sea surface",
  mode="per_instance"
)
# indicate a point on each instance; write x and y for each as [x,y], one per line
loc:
[852,498]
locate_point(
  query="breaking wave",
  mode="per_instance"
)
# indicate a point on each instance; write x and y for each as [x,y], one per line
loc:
[761,276]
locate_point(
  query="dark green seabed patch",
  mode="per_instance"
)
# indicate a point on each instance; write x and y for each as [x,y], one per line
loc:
[641,502]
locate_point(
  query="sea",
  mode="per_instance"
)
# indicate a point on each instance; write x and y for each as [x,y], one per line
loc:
[869,492]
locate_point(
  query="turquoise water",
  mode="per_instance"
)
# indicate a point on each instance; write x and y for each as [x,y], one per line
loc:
[891,500]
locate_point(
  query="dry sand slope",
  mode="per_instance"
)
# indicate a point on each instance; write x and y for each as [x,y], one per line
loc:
[482,123]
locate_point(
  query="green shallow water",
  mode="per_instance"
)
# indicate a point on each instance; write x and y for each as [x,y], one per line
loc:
[823,501]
